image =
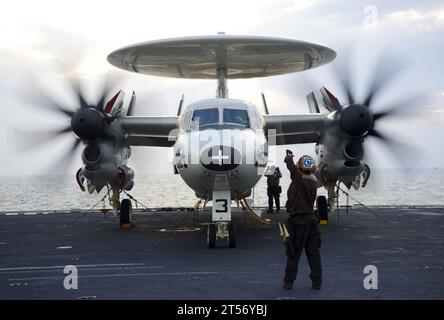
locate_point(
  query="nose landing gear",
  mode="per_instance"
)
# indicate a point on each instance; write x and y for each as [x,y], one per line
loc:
[221,227]
[221,230]
[124,208]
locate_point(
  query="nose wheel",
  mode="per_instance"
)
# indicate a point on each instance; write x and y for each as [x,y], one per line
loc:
[221,231]
[211,236]
[231,235]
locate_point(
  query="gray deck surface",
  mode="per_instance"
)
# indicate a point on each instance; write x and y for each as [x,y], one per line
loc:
[153,262]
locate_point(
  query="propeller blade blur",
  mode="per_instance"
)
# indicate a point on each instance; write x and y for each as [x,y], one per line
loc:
[387,68]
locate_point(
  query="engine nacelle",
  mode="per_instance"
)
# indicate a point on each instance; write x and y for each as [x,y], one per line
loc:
[105,164]
[126,177]
[340,145]
[92,156]
[97,179]
[339,159]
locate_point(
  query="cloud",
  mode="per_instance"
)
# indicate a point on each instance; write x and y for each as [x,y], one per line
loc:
[416,19]
[298,5]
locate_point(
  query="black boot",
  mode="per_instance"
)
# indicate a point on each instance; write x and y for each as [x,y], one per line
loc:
[316,285]
[288,285]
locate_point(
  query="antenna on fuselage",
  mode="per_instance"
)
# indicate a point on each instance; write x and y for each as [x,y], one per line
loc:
[179,111]
[265,103]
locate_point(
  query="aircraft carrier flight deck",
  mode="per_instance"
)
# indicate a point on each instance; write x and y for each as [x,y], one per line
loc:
[165,256]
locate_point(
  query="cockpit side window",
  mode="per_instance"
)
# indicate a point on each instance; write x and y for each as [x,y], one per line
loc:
[238,117]
[186,121]
[206,117]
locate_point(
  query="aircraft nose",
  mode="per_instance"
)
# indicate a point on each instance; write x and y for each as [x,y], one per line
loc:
[220,158]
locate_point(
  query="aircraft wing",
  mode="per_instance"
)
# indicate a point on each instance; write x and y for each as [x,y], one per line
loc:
[294,128]
[150,131]
[160,131]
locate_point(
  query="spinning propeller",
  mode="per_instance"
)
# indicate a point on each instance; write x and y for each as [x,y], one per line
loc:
[358,118]
[87,121]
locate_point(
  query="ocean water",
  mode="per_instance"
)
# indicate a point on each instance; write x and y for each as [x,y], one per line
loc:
[386,187]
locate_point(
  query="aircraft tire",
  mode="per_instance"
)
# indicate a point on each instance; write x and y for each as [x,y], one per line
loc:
[322,206]
[211,236]
[126,212]
[231,235]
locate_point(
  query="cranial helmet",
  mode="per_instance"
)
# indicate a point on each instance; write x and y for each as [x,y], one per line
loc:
[307,163]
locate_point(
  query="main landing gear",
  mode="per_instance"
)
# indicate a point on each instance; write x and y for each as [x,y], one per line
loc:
[323,209]
[126,214]
[124,208]
[221,230]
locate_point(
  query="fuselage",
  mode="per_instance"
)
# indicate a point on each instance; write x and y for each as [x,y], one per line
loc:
[221,145]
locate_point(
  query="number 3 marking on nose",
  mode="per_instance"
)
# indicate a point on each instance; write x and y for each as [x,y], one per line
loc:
[224,205]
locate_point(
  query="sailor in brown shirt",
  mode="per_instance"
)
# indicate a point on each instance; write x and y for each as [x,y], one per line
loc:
[302,222]
[274,189]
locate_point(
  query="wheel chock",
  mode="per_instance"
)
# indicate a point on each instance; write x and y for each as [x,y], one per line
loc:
[323,222]
[128,226]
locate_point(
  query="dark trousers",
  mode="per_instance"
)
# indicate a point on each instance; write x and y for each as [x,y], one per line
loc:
[273,192]
[304,234]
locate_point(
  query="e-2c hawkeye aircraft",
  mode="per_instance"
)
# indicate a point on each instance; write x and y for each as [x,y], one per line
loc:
[221,144]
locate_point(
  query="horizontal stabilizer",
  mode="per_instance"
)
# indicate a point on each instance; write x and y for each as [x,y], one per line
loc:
[114,105]
[331,103]
[265,103]
[132,105]
[312,103]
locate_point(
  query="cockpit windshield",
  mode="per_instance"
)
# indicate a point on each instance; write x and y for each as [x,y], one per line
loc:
[237,117]
[206,117]
[209,118]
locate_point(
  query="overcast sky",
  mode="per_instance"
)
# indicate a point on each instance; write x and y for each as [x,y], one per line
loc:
[50,40]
